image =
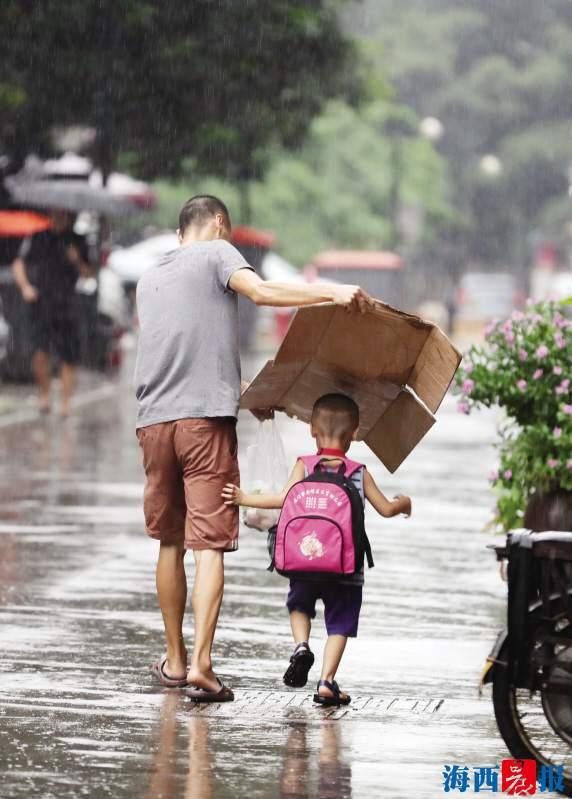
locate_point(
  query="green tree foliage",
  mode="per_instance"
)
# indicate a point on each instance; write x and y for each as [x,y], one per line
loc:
[335,191]
[165,80]
[497,76]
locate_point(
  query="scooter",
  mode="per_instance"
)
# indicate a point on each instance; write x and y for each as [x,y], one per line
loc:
[530,664]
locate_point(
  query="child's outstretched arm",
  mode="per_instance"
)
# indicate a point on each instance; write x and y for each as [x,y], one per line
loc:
[384,506]
[233,495]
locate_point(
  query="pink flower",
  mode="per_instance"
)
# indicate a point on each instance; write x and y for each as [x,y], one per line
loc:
[538,374]
[552,463]
[523,355]
[516,316]
[560,321]
[493,476]
[468,367]
[560,341]
[542,351]
[569,464]
[563,387]
[463,407]
[522,385]
[491,327]
[468,386]
[557,370]
[567,409]
[507,474]
[509,338]
[557,432]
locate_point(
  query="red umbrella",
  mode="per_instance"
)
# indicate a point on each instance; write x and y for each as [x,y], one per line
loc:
[22,223]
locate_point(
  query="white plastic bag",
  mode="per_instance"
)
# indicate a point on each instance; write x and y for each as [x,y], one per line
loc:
[266,471]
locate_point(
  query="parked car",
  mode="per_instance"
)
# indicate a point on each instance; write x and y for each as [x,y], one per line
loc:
[274,321]
[108,315]
[562,285]
[129,263]
[380,273]
[483,296]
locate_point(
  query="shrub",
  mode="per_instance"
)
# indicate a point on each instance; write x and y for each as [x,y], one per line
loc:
[525,367]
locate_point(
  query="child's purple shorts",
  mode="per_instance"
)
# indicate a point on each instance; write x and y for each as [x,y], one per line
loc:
[342,604]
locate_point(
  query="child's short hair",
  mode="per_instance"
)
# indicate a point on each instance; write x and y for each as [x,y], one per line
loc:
[335,416]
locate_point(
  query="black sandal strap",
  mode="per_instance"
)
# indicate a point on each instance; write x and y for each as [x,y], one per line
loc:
[331,686]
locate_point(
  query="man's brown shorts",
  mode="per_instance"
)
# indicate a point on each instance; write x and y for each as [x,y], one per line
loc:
[187,463]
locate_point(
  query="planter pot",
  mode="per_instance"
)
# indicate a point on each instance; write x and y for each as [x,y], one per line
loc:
[550,511]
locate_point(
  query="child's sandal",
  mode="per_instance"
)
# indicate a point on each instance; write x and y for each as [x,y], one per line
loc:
[330,701]
[301,661]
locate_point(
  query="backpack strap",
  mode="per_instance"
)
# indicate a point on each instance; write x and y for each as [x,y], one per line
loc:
[367,551]
[311,461]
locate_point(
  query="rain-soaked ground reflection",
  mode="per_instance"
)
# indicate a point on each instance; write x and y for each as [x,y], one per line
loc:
[190,762]
[79,712]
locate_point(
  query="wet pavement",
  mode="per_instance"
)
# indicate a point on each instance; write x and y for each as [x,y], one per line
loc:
[79,626]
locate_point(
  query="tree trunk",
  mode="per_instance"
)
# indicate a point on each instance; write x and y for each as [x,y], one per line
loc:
[245,206]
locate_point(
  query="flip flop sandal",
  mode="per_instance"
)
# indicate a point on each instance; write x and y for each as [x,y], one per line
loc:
[166,681]
[330,701]
[301,661]
[224,694]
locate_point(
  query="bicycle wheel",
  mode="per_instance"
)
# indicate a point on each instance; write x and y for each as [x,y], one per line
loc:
[538,725]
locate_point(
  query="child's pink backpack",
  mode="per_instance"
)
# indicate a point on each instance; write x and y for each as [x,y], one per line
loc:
[321,525]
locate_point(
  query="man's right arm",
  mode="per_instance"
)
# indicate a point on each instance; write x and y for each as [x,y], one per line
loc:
[285,295]
[29,292]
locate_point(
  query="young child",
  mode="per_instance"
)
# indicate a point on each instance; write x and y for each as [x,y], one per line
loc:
[334,424]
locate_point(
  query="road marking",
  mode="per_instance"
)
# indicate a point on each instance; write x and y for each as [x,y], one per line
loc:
[35,529]
[269,703]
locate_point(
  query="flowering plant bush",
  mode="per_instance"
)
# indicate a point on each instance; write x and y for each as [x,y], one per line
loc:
[525,367]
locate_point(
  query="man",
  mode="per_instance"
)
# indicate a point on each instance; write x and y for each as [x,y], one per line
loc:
[188,388]
[46,271]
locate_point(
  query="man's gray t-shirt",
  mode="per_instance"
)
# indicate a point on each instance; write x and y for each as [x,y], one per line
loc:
[188,363]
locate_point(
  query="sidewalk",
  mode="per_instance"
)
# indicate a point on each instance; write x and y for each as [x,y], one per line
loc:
[79,712]
[19,401]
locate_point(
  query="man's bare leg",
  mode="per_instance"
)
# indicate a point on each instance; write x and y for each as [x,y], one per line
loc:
[67,377]
[172,593]
[41,371]
[207,598]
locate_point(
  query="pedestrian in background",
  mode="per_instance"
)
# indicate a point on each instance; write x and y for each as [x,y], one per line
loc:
[188,388]
[46,271]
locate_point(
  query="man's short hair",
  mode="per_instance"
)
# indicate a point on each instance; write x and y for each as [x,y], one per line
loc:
[335,415]
[199,210]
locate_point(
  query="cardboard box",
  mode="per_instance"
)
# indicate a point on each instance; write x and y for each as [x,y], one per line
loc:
[396,366]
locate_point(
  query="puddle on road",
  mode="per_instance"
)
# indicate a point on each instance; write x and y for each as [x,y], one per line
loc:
[79,713]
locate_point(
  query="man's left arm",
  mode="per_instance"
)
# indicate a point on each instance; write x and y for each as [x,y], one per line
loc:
[262,414]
